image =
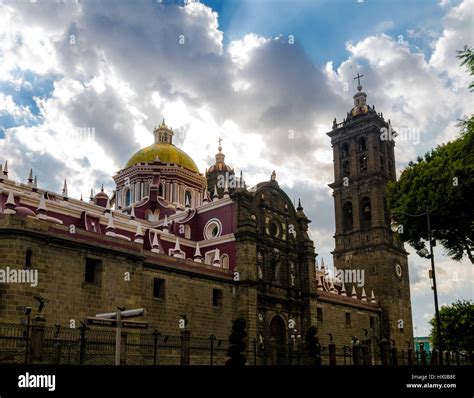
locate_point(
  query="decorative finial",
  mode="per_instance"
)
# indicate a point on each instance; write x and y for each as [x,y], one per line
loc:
[354,293]
[226,189]
[343,289]
[299,208]
[220,146]
[155,245]
[65,189]
[197,254]
[110,228]
[30,177]
[359,87]
[364,296]
[372,297]
[273,176]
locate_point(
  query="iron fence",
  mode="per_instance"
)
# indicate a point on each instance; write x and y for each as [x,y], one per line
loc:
[60,345]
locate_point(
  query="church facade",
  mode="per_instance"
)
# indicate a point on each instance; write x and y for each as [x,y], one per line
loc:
[206,248]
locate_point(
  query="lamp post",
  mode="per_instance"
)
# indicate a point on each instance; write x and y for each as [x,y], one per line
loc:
[27,342]
[424,253]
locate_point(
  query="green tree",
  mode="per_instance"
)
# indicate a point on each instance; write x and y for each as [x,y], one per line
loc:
[237,343]
[312,346]
[467,59]
[457,328]
[443,182]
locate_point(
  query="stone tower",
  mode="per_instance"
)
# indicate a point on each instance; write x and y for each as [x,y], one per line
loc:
[364,162]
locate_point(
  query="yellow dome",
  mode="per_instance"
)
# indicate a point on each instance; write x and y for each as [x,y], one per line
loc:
[167,153]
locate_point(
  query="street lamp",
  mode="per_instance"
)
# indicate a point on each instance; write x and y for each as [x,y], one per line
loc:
[424,253]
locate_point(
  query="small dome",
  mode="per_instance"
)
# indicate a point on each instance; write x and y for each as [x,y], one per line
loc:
[24,211]
[101,194]
[220,162]
[164,152]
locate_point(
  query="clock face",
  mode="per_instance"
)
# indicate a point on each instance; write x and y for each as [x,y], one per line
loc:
[398,269]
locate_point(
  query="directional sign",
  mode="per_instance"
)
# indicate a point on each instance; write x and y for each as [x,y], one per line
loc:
[113,323]
[135,325]
[101,321]
[124,314]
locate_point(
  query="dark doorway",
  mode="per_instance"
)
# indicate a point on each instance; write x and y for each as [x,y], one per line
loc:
[278,341]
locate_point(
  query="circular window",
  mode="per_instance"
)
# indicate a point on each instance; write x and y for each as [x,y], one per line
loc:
[398,270]
[274,228]
[213,229]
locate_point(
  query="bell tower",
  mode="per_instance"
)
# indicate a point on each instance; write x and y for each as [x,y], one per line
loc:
[364,162]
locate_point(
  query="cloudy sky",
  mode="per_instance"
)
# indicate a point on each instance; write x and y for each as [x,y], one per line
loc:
[82,84]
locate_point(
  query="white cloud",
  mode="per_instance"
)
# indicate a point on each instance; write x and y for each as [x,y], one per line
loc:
[264,96]
[457,32]
[241,50]
[8,106]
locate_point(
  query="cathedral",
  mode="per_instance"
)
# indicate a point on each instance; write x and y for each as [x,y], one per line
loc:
[207,248]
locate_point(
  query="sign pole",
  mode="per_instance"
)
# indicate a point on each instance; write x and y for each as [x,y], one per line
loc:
[118,337]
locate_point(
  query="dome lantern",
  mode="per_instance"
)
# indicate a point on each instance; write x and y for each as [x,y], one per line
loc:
[163,134]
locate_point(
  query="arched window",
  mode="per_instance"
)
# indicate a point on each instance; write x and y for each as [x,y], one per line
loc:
[161,190]
[346,171]
[128,197]
[225,261]
[29,253]
[365,213]
[382,163]
[363,163]
[362,144]
[187,231]
[345,150]
[276,270]
[188,198]
[347,216]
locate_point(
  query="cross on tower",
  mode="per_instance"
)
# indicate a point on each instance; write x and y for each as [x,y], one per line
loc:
[219,141]
[358,81]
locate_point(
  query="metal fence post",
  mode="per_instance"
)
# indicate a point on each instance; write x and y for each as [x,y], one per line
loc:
[37,339]
[212,338]
[254,342]
[82,344]
[356,349]
[366,352]
[332,354]
[27,345]
[155,334]
[410,356]
[394,356]
[185,338]
[384,351]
